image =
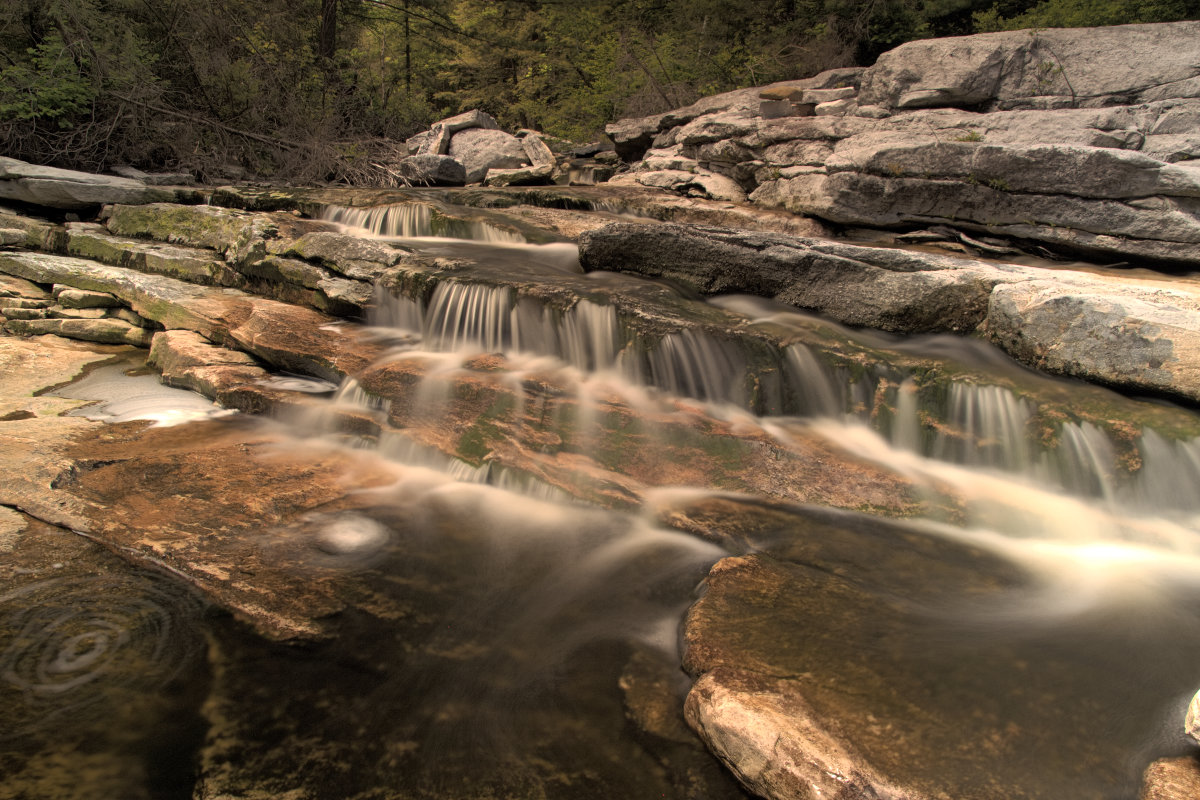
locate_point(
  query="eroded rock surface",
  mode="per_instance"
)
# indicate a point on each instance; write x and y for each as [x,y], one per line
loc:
[1043,136]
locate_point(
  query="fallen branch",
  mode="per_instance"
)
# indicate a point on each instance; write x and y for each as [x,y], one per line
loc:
[258,137]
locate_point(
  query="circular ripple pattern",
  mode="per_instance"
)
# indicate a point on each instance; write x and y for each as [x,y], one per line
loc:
[69,645]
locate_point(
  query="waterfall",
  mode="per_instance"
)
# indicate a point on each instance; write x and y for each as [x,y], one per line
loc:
[693,364]
[416,219]
[988,427]
[402,219]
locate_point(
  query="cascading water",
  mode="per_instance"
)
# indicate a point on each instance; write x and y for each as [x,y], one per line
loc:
[497,615]
[979,425]
[417,219]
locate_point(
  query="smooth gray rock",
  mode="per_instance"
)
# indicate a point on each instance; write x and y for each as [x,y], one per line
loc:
[1160,228]
[469,119]
[155,178]
[1043,68]
[887,289]
[538,152]
[518,176]
[1100,164]
[436,140]
[1065,169]
[68,189]
[433,170]
[1139,338]
[480,150]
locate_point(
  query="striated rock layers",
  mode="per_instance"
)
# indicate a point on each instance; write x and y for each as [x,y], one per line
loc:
[1056,137]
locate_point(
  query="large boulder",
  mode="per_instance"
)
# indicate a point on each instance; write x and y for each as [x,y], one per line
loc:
[68,189]
[1042,68]
[479,150]
[436,140]
[1144,339]
[1080,149]
[433,170]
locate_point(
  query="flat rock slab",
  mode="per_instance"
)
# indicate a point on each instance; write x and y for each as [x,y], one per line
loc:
[891,290]
[856,658]
[1009,69]
[290,337]
[68,189]
[1131,334]
[1141,338]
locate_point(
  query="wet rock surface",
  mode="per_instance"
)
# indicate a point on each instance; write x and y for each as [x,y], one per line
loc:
[1134,334]
[806,688]
[843,653]
[1172,779]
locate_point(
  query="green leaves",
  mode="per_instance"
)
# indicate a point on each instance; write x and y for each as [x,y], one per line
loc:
[49,85]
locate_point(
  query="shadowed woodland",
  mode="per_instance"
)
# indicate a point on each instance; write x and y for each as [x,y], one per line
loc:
[325,90]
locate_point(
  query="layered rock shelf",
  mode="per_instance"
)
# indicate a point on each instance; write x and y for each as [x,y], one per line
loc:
[1053,137]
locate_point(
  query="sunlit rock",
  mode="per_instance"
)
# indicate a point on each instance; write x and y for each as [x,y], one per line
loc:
[1172,779]
[1049,67]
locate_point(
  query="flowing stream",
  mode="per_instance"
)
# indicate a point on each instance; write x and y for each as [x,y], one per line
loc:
[534,617]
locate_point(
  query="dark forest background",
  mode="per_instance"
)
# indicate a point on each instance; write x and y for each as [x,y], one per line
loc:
[309,90]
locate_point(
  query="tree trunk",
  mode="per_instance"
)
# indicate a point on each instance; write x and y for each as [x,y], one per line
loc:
[327,42]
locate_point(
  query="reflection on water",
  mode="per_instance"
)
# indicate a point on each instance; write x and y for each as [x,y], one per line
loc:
[122,391]
[72,642]
[485,658]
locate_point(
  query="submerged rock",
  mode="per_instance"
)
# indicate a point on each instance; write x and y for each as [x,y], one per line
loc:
[814,661]
[1172,779]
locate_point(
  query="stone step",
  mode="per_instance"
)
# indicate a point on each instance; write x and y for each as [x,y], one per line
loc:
[289,337]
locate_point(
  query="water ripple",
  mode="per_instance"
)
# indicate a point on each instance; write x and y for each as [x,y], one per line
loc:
[67,644]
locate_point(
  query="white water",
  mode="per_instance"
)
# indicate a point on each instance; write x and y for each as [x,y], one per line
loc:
[416,219]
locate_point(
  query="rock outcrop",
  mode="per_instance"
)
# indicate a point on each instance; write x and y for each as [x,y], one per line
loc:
[1053,137]
[69,189]
[1141,337]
